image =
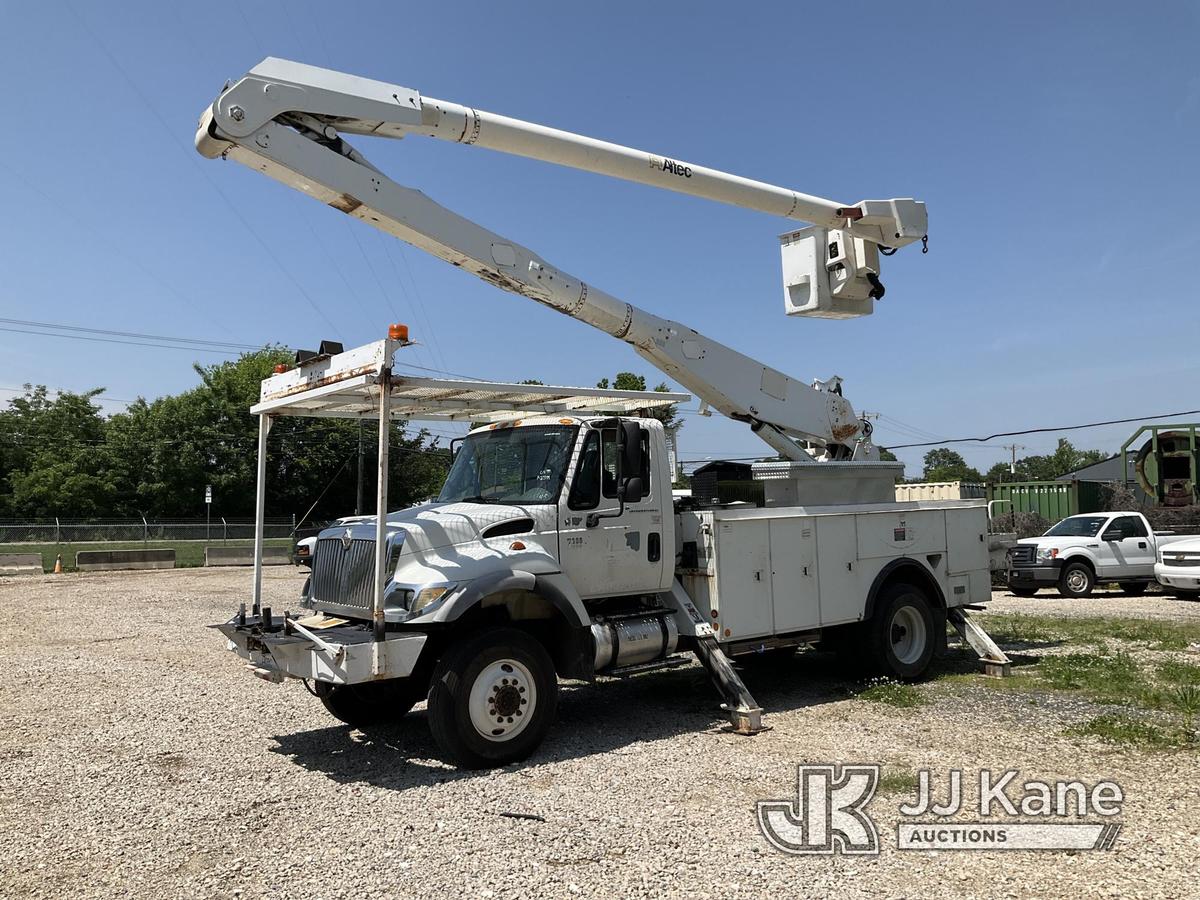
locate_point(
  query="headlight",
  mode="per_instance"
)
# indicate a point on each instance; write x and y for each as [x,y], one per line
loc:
[1045,554]
[430,595]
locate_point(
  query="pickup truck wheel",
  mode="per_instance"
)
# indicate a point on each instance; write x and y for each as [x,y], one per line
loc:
[1187,595]
[900,636]
[1076,580]
[493,698]
[1022,592]
[370,703]
[1132,588]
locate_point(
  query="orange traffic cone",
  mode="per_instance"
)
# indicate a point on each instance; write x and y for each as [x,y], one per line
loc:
[58,564]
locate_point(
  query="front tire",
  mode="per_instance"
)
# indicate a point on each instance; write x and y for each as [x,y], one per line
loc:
[1076,580]
[493,698]
[1132,588]
[372,702]
[900,635]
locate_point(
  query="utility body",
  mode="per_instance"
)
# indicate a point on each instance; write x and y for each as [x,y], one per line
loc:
[1086,550]
[556,548]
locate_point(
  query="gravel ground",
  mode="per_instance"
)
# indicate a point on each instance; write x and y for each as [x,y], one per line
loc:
[138,759]
[1104,604]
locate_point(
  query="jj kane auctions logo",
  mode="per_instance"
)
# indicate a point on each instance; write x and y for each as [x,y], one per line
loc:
[829,813]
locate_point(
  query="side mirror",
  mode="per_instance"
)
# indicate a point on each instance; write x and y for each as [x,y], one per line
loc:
[630,437]
[1112,536]
[631,489]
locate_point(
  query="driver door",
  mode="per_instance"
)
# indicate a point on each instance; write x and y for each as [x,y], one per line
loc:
[616,554]
[1132,553]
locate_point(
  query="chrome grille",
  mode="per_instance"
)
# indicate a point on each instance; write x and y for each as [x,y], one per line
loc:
[1193,560]
[344,577]
[1022,554]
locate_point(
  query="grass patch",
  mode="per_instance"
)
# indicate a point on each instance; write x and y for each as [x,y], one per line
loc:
[1018,629]
[901,781]
[1127,731]
[1175,672]
[891,693]
[187,553]
[1112,679]
[1095,630]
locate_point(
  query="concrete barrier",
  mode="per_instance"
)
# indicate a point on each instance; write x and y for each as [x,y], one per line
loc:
[105,560]
[244,556]
[21,564]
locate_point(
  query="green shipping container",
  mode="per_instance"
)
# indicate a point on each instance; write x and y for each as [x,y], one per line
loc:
[1052,500]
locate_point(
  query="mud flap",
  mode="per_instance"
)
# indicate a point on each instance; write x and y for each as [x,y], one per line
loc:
[745,715]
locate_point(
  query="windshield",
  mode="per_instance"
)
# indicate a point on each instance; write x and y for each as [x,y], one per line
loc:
[510,465]
[1078,526]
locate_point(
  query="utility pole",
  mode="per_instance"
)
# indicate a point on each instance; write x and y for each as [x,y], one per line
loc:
[1012,466]
[358,501]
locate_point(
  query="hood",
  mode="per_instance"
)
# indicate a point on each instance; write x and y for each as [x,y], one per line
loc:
[435,525]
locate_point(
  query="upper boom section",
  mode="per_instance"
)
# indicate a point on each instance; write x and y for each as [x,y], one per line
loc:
[323,99]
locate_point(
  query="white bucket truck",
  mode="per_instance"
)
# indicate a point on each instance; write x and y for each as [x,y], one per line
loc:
[554,550]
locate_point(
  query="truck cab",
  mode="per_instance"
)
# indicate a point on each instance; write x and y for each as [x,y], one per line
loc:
[585,499]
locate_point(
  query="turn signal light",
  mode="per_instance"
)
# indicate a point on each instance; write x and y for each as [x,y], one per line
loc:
[280,368]
[398,332]
[516,545]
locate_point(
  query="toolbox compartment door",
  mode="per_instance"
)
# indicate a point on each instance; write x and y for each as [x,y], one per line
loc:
[966,540]
[794,574]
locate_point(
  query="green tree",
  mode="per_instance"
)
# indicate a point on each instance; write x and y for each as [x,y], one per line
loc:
[631,381]
[60,457]
[1065,458]
[53,456]
[944,464]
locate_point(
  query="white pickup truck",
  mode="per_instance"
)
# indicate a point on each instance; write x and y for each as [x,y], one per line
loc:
[1178,569]
[1085,550]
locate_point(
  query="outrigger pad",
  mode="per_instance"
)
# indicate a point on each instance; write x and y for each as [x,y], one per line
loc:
[995,661]
[745,715]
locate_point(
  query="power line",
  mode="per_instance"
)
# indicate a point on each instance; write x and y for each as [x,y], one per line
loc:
[103,340]
[990,437]
[188,152]
[130,334]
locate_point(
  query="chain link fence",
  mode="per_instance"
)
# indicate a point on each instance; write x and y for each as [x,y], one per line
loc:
[78,531]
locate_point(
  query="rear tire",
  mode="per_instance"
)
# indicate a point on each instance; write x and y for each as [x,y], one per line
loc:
[372,702]
[1132,588]
[900,635]
[1022,592]
[493,698]
[1076,580]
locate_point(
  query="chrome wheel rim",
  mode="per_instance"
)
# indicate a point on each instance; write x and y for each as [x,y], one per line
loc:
[908,635]
[1077,580]
[502,700]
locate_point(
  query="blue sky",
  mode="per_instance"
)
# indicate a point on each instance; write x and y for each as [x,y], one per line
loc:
[1055,145]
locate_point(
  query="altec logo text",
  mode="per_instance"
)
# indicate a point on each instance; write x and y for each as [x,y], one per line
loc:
[829,814]
[670,166]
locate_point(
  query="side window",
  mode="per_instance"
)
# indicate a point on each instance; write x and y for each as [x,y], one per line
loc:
[1134,527]
[1124,527]
[585,489]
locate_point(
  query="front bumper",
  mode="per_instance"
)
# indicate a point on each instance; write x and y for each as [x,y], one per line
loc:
[1185,578]
[1034,576]
[345,654]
